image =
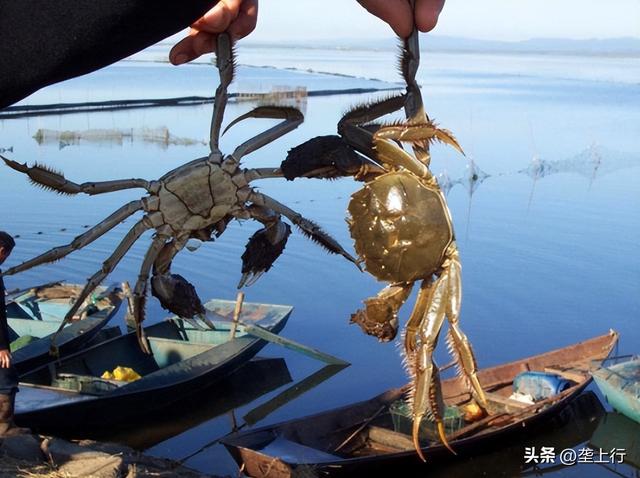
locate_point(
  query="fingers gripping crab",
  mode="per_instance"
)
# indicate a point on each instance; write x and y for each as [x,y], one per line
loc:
[403,232]
[195,200]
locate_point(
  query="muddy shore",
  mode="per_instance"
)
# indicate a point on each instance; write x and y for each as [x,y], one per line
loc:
[38,456]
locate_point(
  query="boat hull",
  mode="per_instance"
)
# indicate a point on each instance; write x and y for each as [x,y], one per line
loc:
[621,391]
[49,410]
[307,445]
[40,319]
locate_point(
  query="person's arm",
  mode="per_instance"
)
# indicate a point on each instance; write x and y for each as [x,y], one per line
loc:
[45,41]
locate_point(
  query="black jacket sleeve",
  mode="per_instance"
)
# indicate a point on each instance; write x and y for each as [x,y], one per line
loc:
[47,41]
[4,328]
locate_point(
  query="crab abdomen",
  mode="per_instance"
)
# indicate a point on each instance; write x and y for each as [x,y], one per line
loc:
[401,227]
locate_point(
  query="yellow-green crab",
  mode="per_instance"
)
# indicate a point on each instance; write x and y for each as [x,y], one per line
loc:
[402,230]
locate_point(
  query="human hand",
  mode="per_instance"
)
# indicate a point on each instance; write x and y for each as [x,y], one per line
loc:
[400,17]
[5,358]
[238,17]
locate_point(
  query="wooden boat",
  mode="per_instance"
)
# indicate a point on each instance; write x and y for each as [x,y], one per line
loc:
[70,394]
[35,314]
[359,439]
[618,378]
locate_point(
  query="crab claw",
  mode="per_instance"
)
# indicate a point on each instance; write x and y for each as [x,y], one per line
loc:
[324,157]
[380,315]
[417,133]
[177,295]
[262,250]
[287,113]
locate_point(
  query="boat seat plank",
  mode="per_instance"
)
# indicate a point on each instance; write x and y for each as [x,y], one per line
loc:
[34,397]
[390,438]
[505,401]
[568,373]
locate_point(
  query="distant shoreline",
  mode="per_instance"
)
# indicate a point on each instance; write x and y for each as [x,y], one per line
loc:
[623,47]
[632,53]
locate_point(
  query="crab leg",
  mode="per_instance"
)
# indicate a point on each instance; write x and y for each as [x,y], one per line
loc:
[82,240]
[421,339]
[47,178]
[292,118]
[162,264]
[360,137]
[456,339]
[174,292]
[139,298]
[132,236]
[309,228]
[265,246]
[414,107]
[380,315]
[409,64]
[226,66]
[263,173]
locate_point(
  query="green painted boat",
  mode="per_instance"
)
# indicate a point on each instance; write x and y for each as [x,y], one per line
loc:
[618,378]
[35,314]
[70,394]
[49,303]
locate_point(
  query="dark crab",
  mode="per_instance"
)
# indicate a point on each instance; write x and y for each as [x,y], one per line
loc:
[195,200]
[402,230]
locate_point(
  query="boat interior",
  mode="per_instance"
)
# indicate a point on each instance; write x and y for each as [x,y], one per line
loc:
[171,341]
[383,425]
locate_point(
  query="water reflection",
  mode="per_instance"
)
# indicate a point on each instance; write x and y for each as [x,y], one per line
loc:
[293,392]
[253,380]
[619,432]
[161,137]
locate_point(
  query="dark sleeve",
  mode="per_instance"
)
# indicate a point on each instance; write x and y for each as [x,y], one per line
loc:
[4,328]
[47,41]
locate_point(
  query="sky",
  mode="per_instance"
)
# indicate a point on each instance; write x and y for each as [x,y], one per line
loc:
[507,20]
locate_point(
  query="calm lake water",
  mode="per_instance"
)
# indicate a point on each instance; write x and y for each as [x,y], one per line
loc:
[549,240]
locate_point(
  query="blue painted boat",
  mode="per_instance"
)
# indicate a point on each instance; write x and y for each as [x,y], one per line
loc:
[70,395]
[618,378]
[50,302]
[35,314]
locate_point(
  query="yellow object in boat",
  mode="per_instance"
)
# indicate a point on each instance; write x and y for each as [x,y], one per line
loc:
[123,374]
[472,412]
